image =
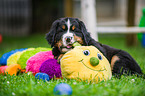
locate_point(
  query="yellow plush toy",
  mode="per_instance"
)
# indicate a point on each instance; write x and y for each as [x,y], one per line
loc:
[85,63]
[15,57]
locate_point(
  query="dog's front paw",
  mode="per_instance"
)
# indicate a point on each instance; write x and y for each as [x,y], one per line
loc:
[59,58]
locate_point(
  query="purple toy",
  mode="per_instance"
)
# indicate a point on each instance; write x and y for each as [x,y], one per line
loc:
[51,67]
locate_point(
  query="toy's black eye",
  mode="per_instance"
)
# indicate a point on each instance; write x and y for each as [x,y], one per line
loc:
[86,52]
[99,56]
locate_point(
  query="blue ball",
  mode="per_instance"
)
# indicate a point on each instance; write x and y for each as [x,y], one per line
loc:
[42,76]
[62,89]
[3,59]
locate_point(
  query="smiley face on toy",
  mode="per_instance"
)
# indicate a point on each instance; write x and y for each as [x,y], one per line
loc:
[85,63]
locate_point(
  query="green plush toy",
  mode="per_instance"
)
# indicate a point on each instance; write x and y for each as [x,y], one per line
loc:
[15,57]
[76,44]
[29,53]
[85,63]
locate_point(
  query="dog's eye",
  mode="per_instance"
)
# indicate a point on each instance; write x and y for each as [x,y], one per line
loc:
[99,56]
[86,52]
[73,28]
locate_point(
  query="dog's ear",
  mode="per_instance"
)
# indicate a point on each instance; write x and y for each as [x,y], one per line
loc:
[86,34]
[50,36]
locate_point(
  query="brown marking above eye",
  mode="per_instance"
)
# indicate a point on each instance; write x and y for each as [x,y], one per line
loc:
[63,27]
[73,27]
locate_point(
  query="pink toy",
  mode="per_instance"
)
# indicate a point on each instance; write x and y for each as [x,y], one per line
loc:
[34,62]
[2,69]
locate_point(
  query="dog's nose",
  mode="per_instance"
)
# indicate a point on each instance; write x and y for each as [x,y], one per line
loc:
[68,38]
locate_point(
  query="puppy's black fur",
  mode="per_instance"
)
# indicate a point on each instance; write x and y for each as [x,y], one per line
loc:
[121,62]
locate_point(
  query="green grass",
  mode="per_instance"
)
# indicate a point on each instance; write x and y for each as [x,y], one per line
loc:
[11,43]
[27,85]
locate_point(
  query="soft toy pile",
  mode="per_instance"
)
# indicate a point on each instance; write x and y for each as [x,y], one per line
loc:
[83,63]
[3,59]
[27,60]
[34,62]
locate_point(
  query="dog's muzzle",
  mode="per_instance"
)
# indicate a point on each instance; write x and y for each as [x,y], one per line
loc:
[68,39]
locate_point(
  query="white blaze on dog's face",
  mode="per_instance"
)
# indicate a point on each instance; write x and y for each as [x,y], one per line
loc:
[68,37]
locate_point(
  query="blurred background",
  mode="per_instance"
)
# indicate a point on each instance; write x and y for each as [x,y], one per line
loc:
[22,18]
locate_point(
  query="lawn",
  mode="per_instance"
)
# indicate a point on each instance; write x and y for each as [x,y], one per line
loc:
[27,85]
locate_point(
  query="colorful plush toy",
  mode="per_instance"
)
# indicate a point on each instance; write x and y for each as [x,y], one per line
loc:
[15,57]
[34,62]
[33,57]
[2,69]
[3,59]
[85,63]
[13,69]
[141,24]
[29,53]
[51,67]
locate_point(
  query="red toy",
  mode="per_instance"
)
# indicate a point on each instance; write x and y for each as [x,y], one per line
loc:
[2,69]
[0,38]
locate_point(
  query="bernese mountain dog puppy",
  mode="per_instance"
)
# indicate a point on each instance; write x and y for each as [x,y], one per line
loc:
[65,31]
